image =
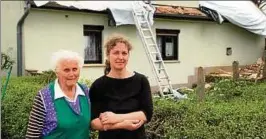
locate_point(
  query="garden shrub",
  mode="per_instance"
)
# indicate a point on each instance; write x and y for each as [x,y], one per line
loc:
[239,115]
[191,120]
[16,106]
[227,90]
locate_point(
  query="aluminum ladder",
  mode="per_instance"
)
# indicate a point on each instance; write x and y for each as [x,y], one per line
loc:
[151,48]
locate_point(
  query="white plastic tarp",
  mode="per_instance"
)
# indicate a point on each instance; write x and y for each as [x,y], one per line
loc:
[121,10]
[244,14]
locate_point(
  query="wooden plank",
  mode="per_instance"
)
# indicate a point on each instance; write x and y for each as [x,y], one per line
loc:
[235,67]
[200,84]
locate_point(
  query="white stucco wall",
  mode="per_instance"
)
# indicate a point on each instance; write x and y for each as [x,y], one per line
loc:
[200,43]
[11,11]
[204,44]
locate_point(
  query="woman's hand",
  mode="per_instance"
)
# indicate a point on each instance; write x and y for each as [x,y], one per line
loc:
[126,124]
[132,124]
[109,118]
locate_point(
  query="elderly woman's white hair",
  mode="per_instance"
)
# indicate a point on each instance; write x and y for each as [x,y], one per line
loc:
[60,55]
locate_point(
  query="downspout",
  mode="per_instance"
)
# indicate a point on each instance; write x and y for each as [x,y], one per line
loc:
[19,39]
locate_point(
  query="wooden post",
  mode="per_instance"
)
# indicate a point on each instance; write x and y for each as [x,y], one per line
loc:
[264,67]
[235,66]
[200,84]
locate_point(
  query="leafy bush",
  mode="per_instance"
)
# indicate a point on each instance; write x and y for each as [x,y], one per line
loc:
[45,77]
[16,106]
[227,90]
[230,110]
[85,81]
[239,115]
[191,120]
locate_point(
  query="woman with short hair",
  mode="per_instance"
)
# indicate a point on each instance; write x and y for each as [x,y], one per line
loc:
[61,110]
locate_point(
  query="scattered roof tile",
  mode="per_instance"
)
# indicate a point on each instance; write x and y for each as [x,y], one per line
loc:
[179,10]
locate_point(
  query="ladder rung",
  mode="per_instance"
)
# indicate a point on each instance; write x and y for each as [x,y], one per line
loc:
[165,85]
[158,61]
[142,22]
[148,37]
[139,14]
[154,52]
[144,29]
[166,77]
[152,44]
[161,69]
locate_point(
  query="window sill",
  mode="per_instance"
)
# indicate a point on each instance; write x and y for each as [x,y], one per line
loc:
[171,61]
[94,65]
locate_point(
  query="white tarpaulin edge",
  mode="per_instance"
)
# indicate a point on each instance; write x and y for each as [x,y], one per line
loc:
[121,10]
[241,13]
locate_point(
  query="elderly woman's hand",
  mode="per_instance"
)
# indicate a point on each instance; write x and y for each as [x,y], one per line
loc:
[110,118]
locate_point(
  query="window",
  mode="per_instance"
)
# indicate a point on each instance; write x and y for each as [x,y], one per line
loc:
[167,41]
[228,51]
[93,44]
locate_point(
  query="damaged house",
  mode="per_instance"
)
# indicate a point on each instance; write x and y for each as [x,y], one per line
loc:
[187,37]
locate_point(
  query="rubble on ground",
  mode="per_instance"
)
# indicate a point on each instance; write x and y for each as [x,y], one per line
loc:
[253,71]
[208,86]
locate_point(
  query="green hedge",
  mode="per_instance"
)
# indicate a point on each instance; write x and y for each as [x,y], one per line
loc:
[16,106]
[208,120]
[223,114]
[231,110]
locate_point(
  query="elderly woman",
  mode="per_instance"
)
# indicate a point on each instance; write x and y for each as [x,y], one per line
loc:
[121,100]
[61,110]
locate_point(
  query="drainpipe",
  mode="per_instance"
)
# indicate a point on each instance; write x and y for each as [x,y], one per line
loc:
[19,39]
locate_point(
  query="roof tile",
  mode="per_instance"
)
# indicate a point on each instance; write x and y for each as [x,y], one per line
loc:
[179,10]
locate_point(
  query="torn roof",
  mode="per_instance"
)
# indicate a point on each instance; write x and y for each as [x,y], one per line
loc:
[121,11]
[179,10]
[162,11]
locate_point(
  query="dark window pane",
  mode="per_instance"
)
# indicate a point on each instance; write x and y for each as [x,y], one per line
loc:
[93,42]
[167,43]
[92,51]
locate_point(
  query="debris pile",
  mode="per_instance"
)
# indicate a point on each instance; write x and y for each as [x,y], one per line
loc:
[253,71]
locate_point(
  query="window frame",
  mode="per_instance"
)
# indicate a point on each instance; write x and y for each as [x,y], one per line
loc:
[169,33]
[95,29]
